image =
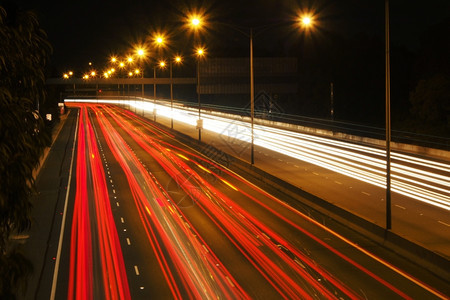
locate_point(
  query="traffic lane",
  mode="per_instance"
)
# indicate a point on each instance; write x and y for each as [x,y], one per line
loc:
[330,261]
[411,218]
[146,280]
[184,276]
[86,252]
[368,201]
[188,206]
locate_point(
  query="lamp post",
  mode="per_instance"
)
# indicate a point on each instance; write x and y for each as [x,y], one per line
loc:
[200,52]
[140,52]
[388,121]
[177,60]
[306,21]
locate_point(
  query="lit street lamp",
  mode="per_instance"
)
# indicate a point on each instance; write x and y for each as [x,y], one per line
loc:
[306,22]
[176,60]
[200,52]
[141,54]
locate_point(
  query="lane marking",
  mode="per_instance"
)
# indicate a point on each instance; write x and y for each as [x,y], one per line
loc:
[400,206]
[367,194]
[117,203]
[136,270]
[443,223]
[122,220]
[63,222]
[128,242]
[338,182]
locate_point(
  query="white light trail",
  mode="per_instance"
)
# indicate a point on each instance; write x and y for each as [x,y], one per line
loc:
[421,179]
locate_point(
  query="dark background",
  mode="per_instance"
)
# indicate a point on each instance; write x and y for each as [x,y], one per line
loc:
[346,48]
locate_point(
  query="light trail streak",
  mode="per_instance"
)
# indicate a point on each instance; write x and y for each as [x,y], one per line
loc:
[182,249]
[290,272]
[431,186]
[93,223]
[240,236]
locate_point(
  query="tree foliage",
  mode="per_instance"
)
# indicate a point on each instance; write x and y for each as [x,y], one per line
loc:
[431,104]
[24,51]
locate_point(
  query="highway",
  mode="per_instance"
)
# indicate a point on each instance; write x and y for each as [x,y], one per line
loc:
[150,218]
[344,173]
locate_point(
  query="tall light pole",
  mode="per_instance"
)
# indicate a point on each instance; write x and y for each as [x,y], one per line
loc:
[252,100]
[388,121]
[140,52]
[306,21]
[177,60]
[200,52]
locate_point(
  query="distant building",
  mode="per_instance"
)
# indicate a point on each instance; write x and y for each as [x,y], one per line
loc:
[232,75]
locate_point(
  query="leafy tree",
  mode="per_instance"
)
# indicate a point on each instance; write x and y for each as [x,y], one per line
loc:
[430,99]
[431,105]
[24,51]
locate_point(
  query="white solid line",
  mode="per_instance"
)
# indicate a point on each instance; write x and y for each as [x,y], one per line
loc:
[63,223]
[443,223]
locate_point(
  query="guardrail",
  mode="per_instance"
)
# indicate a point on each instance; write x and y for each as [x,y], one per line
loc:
[434,146]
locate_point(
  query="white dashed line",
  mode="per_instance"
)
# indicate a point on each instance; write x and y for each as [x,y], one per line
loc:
[400,206]
[367,194]
[118,204]
[122,220]
[128,242]
[443,223]
[136,270]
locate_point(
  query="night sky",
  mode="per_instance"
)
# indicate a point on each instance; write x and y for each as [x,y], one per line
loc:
[81,31]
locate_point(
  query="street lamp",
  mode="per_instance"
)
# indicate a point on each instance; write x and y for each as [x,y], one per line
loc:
[141,55]
[200,52]
[388,120]
[177,59]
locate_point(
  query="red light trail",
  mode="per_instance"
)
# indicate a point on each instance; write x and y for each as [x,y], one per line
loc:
[189,265]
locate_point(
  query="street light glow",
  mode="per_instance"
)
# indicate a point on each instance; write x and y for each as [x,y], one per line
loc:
[306,20]
[195,22]
[159,39]
[200,51]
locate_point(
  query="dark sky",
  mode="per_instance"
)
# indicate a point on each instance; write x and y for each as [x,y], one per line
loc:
[82,30]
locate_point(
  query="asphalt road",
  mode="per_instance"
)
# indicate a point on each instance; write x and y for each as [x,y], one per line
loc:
[176,225]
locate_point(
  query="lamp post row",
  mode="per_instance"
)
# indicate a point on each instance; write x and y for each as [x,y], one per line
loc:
[306,21]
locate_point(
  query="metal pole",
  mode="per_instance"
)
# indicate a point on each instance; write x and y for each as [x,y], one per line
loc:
[171,97]
[154,93]
[142,76]
[332,101]
[388,123]
[199,104]
[252,96]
